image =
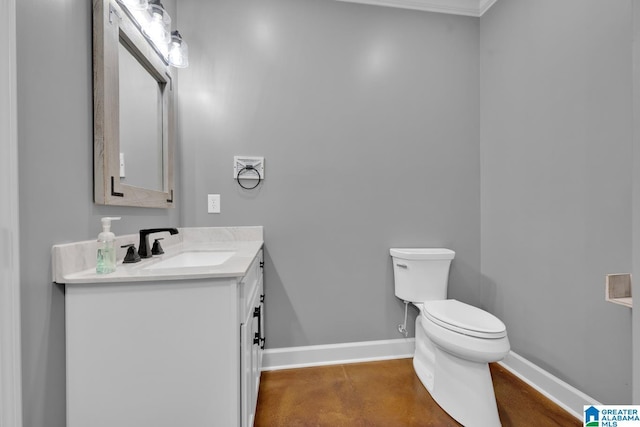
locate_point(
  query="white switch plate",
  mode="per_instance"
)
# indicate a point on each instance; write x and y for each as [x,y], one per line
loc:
[121,165]
[213,203]
[240,162]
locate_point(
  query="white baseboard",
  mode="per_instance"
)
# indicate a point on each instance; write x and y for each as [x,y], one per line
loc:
[564,395]
[561,393]
[334,354]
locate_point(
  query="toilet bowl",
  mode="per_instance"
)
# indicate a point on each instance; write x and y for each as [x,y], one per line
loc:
[454,341]
[465,331]
[454,368]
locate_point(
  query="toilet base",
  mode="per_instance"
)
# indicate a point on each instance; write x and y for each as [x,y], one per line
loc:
[462,388]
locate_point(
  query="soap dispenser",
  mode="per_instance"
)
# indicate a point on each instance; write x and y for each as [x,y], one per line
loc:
[106,256]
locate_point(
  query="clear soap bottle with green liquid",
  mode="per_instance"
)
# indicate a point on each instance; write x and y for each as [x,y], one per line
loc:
[106,256]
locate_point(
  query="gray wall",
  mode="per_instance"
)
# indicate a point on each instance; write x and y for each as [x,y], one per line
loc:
[368,120]
[55,138]
[556,163]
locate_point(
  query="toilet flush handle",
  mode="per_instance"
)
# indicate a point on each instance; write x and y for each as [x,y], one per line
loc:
[402,265]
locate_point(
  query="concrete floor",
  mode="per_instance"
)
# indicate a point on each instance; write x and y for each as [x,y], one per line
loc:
[386,394]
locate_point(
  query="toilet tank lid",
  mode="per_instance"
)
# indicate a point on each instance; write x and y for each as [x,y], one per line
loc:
[422,253]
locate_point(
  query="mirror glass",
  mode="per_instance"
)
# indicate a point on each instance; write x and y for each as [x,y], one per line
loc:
[141,147]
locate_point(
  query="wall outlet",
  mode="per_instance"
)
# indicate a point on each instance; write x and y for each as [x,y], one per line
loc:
[213,203]
[122,165]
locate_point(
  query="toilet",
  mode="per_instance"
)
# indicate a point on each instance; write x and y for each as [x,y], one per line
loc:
[455,342]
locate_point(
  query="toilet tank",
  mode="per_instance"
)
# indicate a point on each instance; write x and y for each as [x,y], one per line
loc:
[421,274]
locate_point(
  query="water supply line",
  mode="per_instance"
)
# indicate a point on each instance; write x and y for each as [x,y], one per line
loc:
[402,328]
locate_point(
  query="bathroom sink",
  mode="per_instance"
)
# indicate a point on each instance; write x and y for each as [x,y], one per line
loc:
[193,259]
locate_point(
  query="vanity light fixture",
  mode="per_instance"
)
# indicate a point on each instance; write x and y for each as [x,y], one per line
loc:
[178,51]
[155,23]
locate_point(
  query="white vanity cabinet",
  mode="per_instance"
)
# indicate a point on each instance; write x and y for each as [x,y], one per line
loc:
[165,353]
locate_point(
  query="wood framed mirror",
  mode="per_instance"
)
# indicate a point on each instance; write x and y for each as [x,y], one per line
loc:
[132,113]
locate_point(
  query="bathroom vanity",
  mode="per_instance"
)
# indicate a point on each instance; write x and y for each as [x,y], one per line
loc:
[175,340]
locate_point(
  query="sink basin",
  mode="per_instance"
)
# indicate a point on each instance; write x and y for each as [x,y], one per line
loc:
[193,259]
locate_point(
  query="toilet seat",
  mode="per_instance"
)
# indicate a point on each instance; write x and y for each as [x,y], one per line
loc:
[465,319]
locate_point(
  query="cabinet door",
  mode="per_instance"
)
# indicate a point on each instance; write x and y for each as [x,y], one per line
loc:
[250,332]
[246,344]
[252,340]
[259,347]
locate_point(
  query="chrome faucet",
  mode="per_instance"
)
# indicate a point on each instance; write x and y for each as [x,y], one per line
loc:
[143,248]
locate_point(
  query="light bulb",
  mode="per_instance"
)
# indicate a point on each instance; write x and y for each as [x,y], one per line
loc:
[157,27]
[178,51]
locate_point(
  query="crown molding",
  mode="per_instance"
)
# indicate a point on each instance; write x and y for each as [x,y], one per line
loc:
[455,7]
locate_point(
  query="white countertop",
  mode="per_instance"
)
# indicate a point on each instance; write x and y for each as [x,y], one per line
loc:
[74,263]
